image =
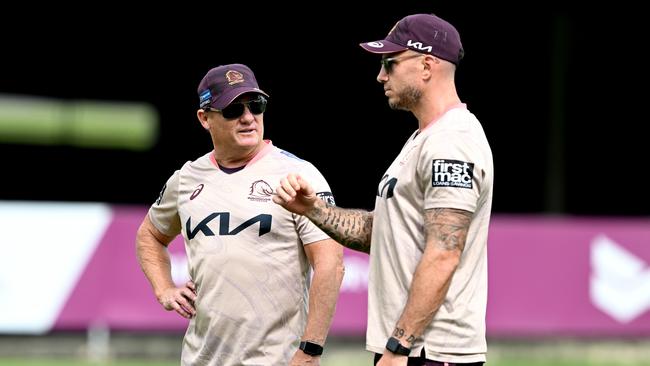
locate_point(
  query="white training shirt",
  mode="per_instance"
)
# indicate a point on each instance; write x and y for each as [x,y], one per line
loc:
[246,256]
[447,165]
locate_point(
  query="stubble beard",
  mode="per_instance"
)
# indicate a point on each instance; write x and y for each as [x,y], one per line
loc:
[406,100]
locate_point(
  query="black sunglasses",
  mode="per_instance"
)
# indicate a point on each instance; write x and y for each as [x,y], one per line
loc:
[235,110]
[389,62]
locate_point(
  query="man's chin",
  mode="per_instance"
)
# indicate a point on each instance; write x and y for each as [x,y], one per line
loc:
[395,106]
[250,141]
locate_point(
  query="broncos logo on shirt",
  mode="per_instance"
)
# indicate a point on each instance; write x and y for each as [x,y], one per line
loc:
[260,191]
[260,188]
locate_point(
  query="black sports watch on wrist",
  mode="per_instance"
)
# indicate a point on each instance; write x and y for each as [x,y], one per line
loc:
[394,346]
[312,349]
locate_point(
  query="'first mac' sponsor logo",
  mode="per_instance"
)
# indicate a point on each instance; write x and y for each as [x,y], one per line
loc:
[328,197]
[452,173]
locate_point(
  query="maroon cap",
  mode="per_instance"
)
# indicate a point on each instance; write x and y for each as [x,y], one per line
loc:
[424,33]
[223,84]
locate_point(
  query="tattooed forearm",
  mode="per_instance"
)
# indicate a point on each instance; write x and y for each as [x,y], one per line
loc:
[351,228]
[399,334]
[448,227]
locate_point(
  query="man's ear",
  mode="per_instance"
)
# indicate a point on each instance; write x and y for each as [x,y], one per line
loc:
[202,115]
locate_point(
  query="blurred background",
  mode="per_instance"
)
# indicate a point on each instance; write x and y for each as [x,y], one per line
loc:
[97,110]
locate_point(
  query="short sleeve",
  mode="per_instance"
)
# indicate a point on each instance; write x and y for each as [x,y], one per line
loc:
[450,171]
[307,231]
[164,212]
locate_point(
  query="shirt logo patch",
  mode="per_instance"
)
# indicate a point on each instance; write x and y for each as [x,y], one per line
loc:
[196,192]
[328,197]
[160,196]
[452,173]
[260,191]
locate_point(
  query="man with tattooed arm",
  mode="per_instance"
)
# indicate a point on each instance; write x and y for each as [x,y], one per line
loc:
[427,236]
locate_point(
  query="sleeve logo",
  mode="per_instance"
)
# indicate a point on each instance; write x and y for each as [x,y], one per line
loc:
[162,193]
[452,173]
[328,197]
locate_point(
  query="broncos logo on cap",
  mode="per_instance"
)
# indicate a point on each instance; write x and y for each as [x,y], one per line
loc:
[234,77]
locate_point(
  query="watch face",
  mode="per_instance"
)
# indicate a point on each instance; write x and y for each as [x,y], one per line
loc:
[311,349]
[394,346]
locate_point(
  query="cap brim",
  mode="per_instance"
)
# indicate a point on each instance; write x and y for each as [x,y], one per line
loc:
[225,99]
[382,46]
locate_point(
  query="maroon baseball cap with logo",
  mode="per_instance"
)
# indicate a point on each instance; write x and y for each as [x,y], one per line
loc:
[223,84]
[424,33]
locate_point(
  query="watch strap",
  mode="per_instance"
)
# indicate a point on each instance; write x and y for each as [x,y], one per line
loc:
[310,348]
[394,346]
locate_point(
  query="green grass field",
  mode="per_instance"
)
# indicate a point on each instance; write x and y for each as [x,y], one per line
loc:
[64,350]
[333,360]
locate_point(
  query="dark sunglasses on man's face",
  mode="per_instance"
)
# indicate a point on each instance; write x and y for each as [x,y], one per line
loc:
[389,62]
[236,109]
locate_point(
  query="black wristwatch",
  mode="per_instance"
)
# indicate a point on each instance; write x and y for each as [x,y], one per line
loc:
[312,349]
[394,346]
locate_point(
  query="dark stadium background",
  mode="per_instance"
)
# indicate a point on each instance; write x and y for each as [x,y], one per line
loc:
[562,96]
